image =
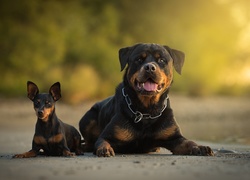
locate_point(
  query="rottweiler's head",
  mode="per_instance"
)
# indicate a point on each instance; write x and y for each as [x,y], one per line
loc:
[150,67]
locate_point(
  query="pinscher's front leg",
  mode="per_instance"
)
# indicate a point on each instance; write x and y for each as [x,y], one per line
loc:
[29,154]
[32,153]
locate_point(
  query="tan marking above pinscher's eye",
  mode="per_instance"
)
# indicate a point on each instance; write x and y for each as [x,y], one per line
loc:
[48,104]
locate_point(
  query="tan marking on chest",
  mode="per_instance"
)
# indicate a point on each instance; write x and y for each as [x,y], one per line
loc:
[123,134]
[39,140]
[56,139]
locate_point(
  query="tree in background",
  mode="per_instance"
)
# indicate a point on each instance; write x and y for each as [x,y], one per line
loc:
[77,43]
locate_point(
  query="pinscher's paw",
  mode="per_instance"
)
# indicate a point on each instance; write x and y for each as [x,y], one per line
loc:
[25,155]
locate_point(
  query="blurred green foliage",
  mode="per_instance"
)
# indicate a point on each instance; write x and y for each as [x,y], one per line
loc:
[77,42]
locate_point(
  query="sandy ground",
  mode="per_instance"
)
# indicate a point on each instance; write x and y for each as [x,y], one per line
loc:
[222,123]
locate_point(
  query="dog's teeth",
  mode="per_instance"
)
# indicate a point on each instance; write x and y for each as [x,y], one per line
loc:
[140,85]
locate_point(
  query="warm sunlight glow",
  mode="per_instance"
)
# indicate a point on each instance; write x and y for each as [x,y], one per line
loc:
[241,77]
[246,75]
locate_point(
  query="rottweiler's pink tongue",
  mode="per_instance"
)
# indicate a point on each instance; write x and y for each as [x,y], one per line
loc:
[150,86]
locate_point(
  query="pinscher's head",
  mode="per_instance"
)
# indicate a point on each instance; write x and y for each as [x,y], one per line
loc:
[44,103]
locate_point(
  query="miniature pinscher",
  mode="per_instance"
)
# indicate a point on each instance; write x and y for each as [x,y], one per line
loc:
[52,136]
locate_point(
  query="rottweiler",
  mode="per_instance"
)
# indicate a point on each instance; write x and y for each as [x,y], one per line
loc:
[138,118]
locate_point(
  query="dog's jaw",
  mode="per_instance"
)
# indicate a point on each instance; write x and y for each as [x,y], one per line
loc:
[148,84]
[45,115]
[148,87]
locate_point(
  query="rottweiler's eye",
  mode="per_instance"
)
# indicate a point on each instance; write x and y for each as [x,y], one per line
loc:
[161,60]
[139,60]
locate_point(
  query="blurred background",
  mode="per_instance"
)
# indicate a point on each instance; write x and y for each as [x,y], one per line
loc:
[77,42]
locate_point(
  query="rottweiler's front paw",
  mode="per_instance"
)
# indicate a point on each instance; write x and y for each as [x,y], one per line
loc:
[202,151]
[105,150]
[187,147]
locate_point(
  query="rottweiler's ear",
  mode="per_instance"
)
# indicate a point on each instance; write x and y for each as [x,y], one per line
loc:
[32,90]
[178,58]
[55,91]
[124,56]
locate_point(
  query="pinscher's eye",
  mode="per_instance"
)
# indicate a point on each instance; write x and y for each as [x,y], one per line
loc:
[37,102]
[47,103]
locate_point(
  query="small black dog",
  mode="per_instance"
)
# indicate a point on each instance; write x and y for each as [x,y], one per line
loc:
[138,118]
[52,136]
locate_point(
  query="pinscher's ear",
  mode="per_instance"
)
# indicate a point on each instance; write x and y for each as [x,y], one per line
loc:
[55,91]
[32,90]
[178,58]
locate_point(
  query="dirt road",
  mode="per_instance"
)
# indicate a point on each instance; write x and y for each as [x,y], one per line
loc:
[221,123]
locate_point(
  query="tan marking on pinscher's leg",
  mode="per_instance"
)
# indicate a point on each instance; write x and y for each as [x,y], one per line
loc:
[28,154]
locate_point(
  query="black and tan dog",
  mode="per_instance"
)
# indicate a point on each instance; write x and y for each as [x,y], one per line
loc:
[52,136]
[138,118]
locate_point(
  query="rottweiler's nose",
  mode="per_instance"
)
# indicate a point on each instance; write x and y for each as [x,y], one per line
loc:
[149,67]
